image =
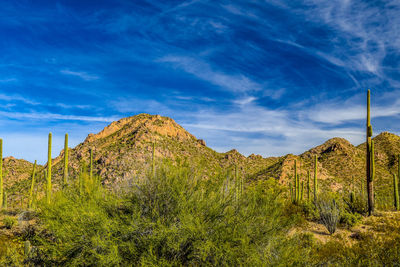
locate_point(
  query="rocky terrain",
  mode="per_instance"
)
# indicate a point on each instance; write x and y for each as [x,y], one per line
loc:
[123,152]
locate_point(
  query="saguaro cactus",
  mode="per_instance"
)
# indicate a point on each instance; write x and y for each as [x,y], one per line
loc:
[296,182]
[396,192]
[32,186]
[291,191]
[370,158]
[398,171]
[302,191]
[315,178]
[5,200]
[27,248]
[1,173]
[65,177]
[91,165]
[48,187]
[308,186]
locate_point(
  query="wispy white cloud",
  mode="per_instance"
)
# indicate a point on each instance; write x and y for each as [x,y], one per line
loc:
[255,129]
[204,71]
[81,74]
[18,98]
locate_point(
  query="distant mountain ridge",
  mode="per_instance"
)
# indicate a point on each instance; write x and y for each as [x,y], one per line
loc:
[123,150]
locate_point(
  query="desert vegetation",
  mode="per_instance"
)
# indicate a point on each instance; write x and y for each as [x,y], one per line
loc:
[210,209]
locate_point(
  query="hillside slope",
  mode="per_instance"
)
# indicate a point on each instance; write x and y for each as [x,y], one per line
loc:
[123,152]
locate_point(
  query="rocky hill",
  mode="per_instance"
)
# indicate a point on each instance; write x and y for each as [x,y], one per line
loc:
[123,152]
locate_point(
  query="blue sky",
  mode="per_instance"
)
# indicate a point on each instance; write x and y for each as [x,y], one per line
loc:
[265,77]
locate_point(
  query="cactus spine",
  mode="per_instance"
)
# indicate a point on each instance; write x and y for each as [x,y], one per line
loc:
[32,186]
[308,186]
[396,192]
[1,173]
[65,177]
[315,178]
[48,187]
[370,166]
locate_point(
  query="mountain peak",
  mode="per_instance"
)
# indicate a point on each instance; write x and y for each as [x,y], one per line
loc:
[145,124]
[335,145]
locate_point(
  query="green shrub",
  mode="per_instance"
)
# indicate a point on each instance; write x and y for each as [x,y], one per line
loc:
[310,211]
[174,218]
[9,222]
[350,219]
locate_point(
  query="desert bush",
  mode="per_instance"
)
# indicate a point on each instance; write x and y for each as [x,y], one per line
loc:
[350,219]
[310,211]
[174,218]
[329,212]
[9,222]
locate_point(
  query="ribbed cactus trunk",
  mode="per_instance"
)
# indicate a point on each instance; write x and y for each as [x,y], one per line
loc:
[315,178]
[48,186]
[1,173]
[308,186]
[398,172]
[396,192]
[369,159]
[296,182]
[65,176]
[5,200]
[302,191]
[30,200]
[91,165]
[27,248]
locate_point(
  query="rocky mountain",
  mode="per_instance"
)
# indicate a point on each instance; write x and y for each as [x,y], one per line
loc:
[123,151]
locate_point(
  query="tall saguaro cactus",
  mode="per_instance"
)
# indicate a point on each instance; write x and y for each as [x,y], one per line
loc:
[308,186]
[65,177]
[396,192]
[91,165]
[398,171]
[370,166]
[315,178]
[48,187]
[32,186]
[296,182]
[1,173]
